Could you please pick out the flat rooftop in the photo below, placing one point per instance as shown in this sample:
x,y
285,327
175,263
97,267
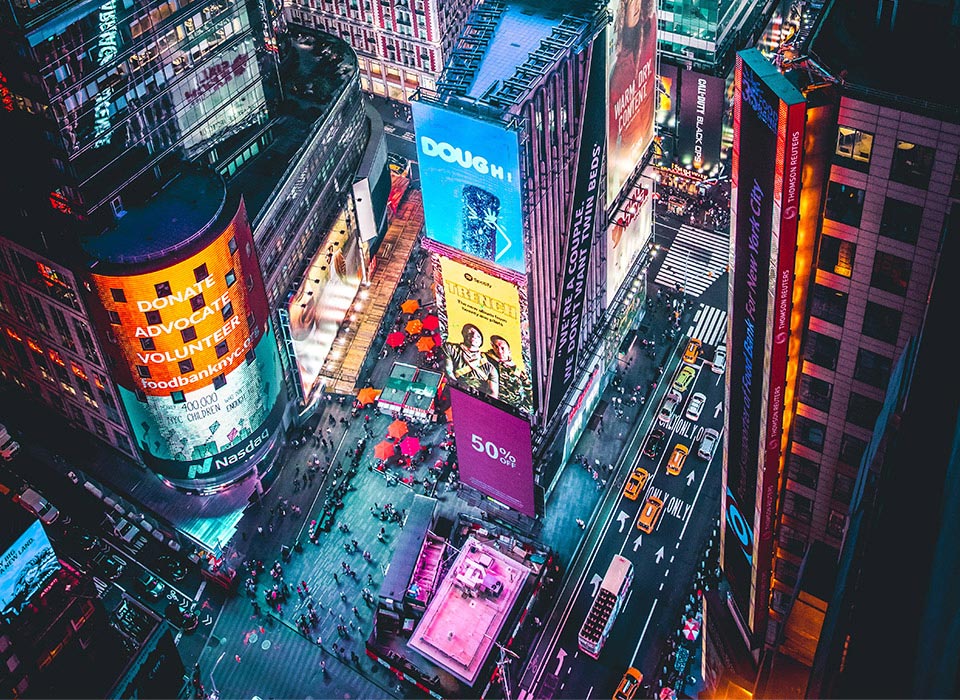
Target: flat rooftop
x,y
467,613
912,59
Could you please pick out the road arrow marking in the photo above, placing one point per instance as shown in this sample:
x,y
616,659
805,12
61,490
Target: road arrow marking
x,y
691,476
637,542
208,620
561,655
622,517
660,555
718,410
595,582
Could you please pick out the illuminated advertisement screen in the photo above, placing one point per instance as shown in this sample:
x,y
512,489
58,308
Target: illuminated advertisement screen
x,y
764,139
631,86
666,111
470,178
578,245
197,365
321,304
493,452
25,567
485,350
627,235
701,121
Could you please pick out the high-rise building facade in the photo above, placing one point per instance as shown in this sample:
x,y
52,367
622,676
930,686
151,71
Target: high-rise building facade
x,y
402,45
838,217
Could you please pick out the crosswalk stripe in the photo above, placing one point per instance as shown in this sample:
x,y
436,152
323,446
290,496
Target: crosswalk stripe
x,y
695,259
709,325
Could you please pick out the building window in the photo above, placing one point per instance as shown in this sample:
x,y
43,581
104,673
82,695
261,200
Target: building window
x,y
143,371
901,220
163,289
787,573
114,317
843,488
222,349
890,273
232,245
835,523
815,392
881,322
791,540
854,148
852,449
844,203
188,334
185,366
802,470
872,369
828,304
836,256
197,302
200,273
797,506
178,396
148,344
228,310
219,381
912,164
118,295
250,356
153,318
955,183
821,349
863,411
809,433
231,278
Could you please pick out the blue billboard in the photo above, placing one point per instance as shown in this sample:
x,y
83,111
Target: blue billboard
x,y
24,568
470,179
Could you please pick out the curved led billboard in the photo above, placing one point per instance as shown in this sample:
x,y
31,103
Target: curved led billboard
x,y
196,362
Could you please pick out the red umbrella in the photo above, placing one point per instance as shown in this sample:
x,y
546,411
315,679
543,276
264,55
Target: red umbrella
x,y
691,629
410,445
384,450
431,322
397,429
437,339
395,339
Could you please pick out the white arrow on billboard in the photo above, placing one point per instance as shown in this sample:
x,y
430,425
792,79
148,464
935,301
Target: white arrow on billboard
x,y
622,517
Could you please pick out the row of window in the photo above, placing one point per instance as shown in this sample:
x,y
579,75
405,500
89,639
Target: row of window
x,y
900,220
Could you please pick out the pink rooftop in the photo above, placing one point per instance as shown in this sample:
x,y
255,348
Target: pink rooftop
x,y
466,615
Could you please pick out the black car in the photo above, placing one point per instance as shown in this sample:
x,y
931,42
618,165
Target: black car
x,y
183,617
172,567
109,565
90,543
655,443
152,587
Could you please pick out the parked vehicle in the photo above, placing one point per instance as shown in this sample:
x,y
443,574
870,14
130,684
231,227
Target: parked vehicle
x,y
668,408
695,406
39,506
109,565
8,446
692,351
684,379
172,567
126,530
719,364
708,444
654,445
151,586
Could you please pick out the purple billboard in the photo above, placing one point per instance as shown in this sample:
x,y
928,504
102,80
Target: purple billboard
x,y
701,121
493,449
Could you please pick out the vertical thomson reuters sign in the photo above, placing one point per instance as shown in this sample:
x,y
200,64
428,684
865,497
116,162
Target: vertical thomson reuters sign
x,y
768,145
195,359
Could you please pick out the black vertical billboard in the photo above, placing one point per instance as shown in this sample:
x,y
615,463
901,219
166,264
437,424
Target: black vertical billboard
x,y
701,121
582,223
767,153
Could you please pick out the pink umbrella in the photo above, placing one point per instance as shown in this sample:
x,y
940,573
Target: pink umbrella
x,y
383,450
410,446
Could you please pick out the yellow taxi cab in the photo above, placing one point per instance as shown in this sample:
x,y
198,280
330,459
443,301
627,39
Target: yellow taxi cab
x,y
649,514
692,351
677,458
629,685
635,483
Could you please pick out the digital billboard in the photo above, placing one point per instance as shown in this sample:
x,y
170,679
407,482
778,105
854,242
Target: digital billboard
x,y
493,452
470,178
631,88
486,327
666,111
765,187
701,121
577,248
195,357
25,567
320,305
629,231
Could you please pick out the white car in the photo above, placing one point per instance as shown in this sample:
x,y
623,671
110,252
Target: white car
x,y
39,506
695,406
709,442
720,359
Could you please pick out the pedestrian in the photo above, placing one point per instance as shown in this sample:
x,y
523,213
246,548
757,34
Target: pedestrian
x,y
581,524
370,579
237,658
335,577
306,589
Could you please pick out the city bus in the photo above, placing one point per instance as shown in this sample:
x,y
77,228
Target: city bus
x,y
606,605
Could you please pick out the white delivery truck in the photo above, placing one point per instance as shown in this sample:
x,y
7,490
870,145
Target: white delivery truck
x,y
8,446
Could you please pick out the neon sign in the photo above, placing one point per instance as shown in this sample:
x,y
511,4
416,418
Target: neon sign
x,y
106,51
